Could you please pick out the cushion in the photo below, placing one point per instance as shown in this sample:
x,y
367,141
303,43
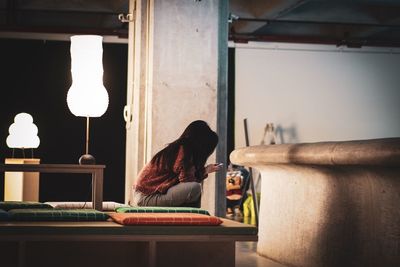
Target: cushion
x,y
162,210
10,205
107,205
3,215
164,219
57,215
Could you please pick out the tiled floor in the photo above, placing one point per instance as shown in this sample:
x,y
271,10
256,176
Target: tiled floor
x,y
246,256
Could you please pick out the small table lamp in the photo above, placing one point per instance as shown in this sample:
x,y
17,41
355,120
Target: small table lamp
x,y
23,133
22,186
87,96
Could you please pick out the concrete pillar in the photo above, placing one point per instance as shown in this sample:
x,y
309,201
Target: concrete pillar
x,y
175,79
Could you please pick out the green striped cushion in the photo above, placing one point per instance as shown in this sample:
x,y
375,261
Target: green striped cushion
x,y
3,215
10,205
161,210
57,215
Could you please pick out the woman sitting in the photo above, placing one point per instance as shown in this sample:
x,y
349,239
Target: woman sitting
x,y
173,177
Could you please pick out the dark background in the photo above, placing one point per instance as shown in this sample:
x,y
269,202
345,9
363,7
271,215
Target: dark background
x,y
35,78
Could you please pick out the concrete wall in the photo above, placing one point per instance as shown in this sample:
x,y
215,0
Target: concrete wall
x,y
316,93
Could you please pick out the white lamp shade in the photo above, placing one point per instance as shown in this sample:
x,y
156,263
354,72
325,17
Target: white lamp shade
x,y
23,132
87,96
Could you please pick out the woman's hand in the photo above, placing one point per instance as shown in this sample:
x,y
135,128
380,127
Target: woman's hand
x,y
213,167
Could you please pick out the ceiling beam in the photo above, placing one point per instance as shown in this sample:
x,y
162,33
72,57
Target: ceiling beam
x,y
68,30
350,24
60,11
245,38
260,9
287,9
370,32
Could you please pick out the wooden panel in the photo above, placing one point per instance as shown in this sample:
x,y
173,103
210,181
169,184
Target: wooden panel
x,y
121,254
8,254
99,254
194,254
229,230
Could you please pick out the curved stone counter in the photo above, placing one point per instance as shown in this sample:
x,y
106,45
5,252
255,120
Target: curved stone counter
x,y
329,203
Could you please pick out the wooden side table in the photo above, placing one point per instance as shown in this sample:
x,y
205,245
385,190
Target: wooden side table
x,y
95,170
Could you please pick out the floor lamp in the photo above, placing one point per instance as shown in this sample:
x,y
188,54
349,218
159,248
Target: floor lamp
x,y
87,96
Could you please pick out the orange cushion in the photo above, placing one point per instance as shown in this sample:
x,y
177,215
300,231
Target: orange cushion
x,y
164,219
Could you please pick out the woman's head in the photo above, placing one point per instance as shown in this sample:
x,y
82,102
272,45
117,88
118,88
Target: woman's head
x,y
201,139
198,141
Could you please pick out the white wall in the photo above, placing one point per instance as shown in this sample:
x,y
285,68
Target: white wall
x,y
316,93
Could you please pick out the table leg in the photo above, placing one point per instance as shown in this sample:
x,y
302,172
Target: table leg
x,y
97,189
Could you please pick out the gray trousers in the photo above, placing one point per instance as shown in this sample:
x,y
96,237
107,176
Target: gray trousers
x,y
180,195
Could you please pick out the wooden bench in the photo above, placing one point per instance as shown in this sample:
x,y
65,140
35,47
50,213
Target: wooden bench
x,y
25,244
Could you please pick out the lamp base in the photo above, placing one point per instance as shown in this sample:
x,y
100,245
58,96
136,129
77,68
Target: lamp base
x,y
87,159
